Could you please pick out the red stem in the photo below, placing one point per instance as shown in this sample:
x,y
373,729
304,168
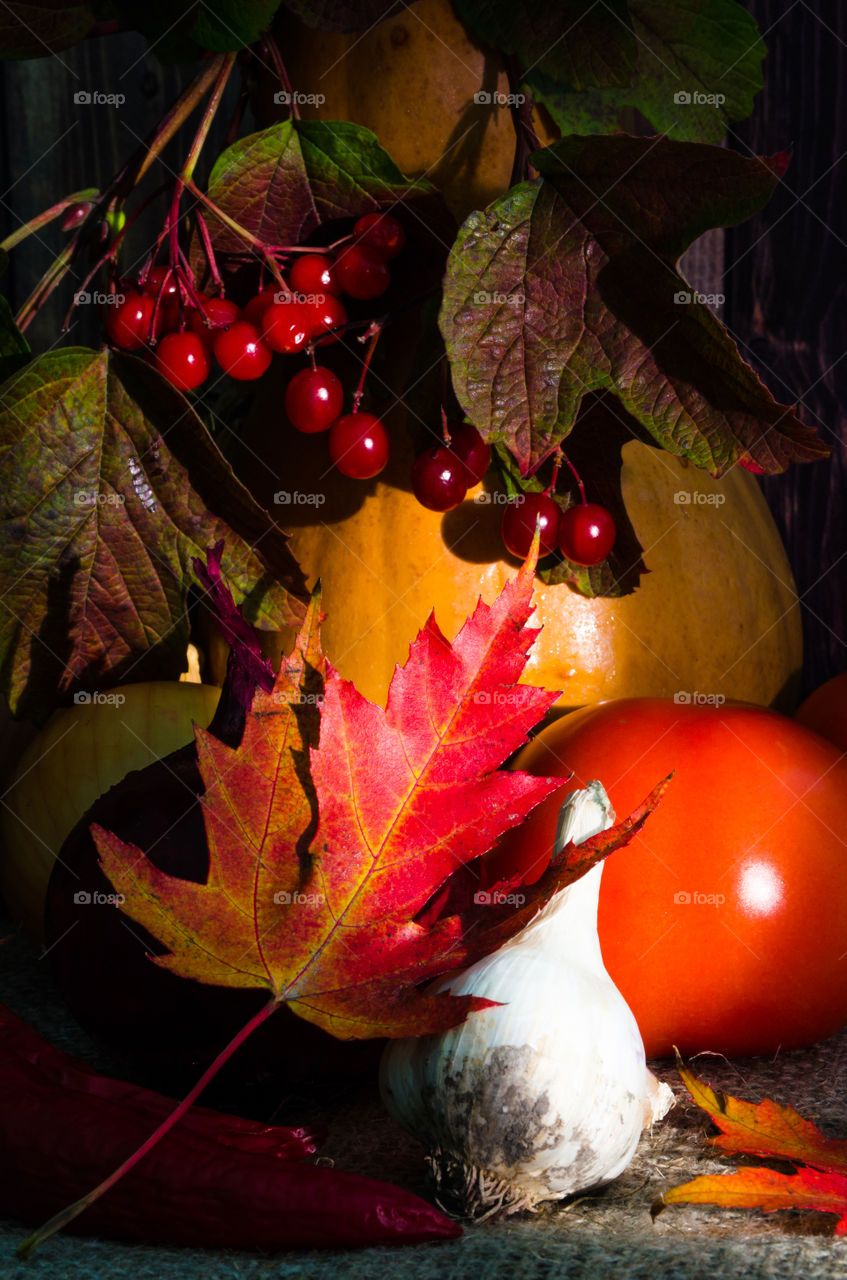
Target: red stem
x,y
187,172
282,75
240,231
42,219
81,289
173,224
122,184
61,1219
132,173
187,283
342,240
136,213
208,250
557,462
576,476
445,431
373,333
237,116
526,139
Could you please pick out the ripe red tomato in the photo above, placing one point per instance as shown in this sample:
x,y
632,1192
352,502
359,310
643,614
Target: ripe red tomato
x,y
724,922
825,711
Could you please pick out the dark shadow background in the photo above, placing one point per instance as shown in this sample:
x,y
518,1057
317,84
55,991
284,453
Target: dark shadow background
x,y
785,280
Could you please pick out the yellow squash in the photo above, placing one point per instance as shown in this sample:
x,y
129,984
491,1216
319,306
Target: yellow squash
x,y
437,101
82,751
715,616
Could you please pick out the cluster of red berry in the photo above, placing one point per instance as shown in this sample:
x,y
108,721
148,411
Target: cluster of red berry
x,y
314,398
443,474
441,477
584,532
189,328
186,329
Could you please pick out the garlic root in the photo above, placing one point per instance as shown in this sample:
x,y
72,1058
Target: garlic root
x,y
658,1100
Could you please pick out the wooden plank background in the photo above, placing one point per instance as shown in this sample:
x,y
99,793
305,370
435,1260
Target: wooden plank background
x,y
785,277
50,146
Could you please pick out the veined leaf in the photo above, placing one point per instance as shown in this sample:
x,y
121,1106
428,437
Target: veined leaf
x,y
768,1130
569,285
281,183
109,486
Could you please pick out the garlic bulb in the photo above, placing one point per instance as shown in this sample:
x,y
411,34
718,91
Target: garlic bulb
x,y
546,1094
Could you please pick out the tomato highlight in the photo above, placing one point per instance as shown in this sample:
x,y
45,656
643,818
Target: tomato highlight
x,y
724,922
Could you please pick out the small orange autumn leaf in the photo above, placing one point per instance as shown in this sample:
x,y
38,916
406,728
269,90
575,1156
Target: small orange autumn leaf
x,y
772,1131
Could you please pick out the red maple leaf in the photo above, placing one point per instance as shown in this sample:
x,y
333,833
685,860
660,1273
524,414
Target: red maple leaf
x,y
324,916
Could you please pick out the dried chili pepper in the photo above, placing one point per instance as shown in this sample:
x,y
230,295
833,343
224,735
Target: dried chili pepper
x,y
19,1039
214,1181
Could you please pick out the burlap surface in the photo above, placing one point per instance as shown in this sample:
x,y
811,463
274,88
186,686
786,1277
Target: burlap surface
x,y
609,1232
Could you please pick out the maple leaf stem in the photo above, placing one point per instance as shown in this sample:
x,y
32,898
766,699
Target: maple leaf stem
x,y
61,1219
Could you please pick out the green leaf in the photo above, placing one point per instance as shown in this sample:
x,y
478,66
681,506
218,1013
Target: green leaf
x,y
698,68
223,25
41,28
109,486
283,182
344,15
14,348
166,25
569,285
591,111
181,30
581,46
